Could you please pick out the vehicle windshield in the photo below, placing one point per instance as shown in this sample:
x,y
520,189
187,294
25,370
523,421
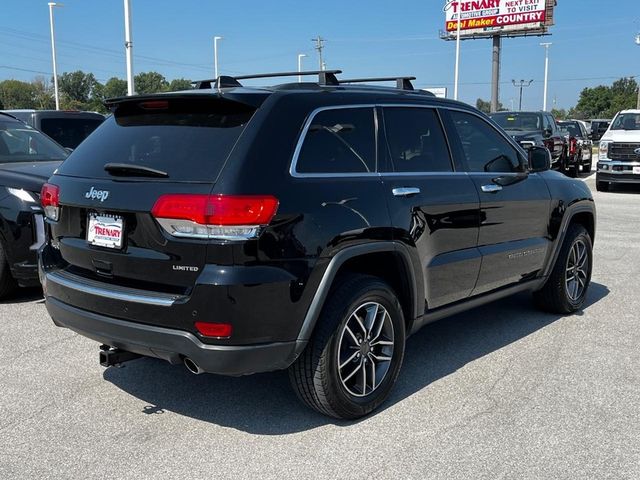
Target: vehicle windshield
x,y
21,143
517,121
627,121
572,128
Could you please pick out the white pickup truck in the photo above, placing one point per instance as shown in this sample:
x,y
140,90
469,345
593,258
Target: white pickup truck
x,y
619,153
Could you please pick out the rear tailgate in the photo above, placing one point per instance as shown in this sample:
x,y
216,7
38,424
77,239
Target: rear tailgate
x,y
105,232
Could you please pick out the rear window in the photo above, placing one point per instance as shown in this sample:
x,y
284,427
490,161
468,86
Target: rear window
x,y
188,139
517,121
69,132
20,143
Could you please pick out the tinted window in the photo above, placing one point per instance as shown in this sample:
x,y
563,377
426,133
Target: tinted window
x,y
517,121
484,148
69,132
19,143
572,127
415,140
339,141
187,139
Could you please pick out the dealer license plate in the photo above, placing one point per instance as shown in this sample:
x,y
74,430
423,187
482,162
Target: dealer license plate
x,y
636,170
105,230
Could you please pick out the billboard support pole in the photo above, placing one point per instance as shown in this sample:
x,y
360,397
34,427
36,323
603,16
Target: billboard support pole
x,y
495,73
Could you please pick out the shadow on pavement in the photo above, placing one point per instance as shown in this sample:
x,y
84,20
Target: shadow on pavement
x,y
22,295
265,403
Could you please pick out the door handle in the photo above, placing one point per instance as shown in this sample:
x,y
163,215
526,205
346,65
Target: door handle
x,y
405,191
491,188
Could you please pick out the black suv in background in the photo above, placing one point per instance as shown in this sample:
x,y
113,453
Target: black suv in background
x,y
66,127
535,129
27,160
308,226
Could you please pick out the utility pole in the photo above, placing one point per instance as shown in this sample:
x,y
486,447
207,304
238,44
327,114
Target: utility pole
x,y
215,56
128,46
638,43
546,73
521,84
456,73
53,54
495,73
319,46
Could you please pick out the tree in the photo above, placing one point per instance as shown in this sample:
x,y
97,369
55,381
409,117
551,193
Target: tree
x,y
17,94
559,114
115,87
43,93
178,84
77,86
150,82
485,106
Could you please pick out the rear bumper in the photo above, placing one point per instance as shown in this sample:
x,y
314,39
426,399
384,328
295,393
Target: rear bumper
x,y
173,345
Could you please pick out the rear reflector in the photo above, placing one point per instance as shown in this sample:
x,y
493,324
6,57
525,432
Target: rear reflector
x,y
234,217
50,198
218,330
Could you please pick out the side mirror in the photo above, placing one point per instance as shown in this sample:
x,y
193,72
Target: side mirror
x,y
539,159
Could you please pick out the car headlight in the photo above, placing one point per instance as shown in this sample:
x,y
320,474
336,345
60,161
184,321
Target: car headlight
x,y
22,195
603,152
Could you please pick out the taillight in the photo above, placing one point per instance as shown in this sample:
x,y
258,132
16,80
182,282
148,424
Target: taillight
x,y
572,146
218,330
227,217
50,198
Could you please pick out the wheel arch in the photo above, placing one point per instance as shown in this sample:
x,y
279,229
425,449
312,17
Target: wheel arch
x,y
390,261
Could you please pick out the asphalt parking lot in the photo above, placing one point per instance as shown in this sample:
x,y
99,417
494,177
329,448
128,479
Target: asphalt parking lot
x,y
502,391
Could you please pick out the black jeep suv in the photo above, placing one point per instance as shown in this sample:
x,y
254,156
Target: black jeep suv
x,y
309,226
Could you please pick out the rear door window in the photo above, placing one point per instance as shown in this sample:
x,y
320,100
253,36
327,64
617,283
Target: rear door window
x,y
415,141
189,140
338,141
69,132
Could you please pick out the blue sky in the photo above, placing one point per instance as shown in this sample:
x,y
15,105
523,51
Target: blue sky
x,y
592,45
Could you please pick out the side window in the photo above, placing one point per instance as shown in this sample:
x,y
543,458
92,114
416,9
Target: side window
x,y
484,148
339,141
547,124
415,140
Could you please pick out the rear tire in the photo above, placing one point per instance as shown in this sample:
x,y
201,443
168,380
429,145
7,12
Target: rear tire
x,y
7,282
602,186
566,288
354,356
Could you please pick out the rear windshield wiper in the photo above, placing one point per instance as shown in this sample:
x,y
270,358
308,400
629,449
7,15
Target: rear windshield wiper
x,y
128,170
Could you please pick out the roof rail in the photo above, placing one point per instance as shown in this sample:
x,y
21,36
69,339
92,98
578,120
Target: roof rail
x,y
403,83
325,77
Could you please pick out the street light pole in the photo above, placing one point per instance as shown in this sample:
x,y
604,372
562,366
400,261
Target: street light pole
x,y
457,69
53,54
300,57
215,55
546,73
638,43
521,85
128,47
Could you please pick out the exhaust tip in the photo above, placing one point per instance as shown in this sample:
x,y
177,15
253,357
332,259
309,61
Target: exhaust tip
x,y
192,366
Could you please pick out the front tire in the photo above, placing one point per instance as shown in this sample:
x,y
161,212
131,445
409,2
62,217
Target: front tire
x,y
353,359
566,288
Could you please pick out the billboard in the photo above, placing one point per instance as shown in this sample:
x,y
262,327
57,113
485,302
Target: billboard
x,y
497,17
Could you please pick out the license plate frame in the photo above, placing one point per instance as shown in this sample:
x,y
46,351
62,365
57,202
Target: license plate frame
x,y
110,231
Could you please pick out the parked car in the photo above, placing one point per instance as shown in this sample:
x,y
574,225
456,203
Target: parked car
x,y
580,147
27,160
619,153
307,226
68,128
535,129
598,128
